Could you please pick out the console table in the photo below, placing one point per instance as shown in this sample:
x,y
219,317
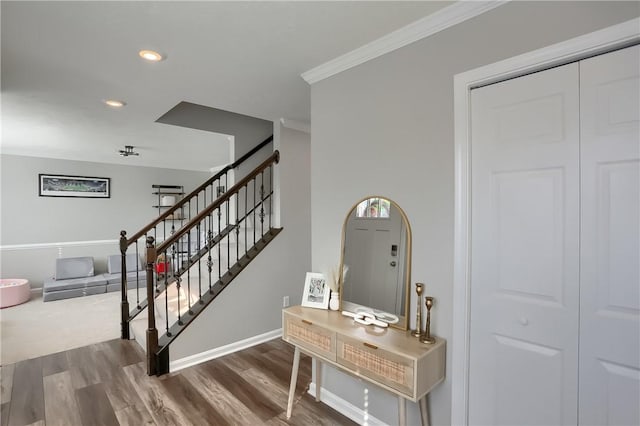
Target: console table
x,y
389,358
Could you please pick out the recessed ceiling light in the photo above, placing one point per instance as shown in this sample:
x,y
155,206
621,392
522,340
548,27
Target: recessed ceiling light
x,y
150,55
114,103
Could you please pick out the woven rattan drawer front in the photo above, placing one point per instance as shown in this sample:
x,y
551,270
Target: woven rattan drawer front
x,y
385,367
307,335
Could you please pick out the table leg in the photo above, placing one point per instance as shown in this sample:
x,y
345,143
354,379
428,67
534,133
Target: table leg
x,y
402,411
424,411
294,379
318,379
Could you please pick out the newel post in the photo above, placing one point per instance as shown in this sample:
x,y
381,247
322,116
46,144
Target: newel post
x,y
124,304
152,332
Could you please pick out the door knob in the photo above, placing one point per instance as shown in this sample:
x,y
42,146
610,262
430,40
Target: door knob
x,y
393,263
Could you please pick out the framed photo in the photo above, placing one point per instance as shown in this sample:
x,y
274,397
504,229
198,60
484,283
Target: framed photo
x,y
74,186
316,291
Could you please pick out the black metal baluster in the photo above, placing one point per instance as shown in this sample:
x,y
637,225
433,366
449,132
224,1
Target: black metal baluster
x,y
188,296
137,275
228,240
166,304
254,211
270,194
246,189
226,183
237,230
199,263
262,204
218,244
209,259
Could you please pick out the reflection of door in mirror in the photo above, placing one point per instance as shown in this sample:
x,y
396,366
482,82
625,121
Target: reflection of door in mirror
x,y
375,253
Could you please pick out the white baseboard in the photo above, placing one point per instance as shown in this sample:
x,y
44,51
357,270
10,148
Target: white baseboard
x,y
188,361
58,245
345,408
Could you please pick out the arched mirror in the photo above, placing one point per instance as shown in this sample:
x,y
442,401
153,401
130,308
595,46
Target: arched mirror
x,y
376,261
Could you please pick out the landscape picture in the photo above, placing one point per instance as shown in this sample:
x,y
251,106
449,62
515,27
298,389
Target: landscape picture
x,y
74,186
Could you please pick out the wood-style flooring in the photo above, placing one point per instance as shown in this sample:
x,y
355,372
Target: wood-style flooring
x,y
107,384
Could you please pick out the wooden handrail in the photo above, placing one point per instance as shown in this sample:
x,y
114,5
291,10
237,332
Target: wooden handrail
x,y
196,191
274,158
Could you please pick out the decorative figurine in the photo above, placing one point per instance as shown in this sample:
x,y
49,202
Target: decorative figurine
x,y
426,338
418,331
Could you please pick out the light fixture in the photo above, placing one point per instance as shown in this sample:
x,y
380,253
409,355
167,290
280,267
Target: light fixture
x,y
150,55
127,151
114,103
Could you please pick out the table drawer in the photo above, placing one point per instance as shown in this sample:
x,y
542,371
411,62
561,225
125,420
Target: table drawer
x,y
382,366
307,335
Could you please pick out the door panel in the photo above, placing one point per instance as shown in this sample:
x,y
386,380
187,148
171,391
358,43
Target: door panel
x,y
518,364
529,203
524,250
610,239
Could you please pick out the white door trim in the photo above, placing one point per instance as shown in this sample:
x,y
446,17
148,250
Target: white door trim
x,y
592,44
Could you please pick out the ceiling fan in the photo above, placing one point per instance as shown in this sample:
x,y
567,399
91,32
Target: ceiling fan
x,y
128,150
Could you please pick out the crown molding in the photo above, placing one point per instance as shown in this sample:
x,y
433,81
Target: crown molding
x,y
425,27
296,125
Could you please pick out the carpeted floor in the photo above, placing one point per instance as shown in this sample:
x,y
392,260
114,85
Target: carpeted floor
x,y
37,328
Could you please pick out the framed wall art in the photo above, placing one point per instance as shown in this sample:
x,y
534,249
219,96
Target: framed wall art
x,y
74,186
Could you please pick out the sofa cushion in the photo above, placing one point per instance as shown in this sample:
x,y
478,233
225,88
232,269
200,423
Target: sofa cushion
x,y
74,267
118,287
131,278
48,296
98,280
58,285
97,289
114,263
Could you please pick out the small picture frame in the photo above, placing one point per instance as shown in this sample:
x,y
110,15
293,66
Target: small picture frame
x,y
316,291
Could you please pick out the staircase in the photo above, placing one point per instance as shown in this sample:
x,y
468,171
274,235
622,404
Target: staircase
x,y
189,266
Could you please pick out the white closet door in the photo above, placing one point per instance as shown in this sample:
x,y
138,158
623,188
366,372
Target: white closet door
x,y
524,250
610,235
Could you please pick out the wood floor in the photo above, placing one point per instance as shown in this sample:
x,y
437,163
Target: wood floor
x,y
106,384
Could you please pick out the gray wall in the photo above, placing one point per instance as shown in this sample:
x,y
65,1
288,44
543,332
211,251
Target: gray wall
x,y
386,127
29,219
252,304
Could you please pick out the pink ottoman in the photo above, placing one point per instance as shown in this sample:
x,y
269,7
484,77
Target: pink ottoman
x,y
14,291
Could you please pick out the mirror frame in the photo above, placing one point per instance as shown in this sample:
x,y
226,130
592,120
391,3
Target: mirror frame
x,y
403,324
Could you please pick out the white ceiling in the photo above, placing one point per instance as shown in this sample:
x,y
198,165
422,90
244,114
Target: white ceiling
x,y
61,59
